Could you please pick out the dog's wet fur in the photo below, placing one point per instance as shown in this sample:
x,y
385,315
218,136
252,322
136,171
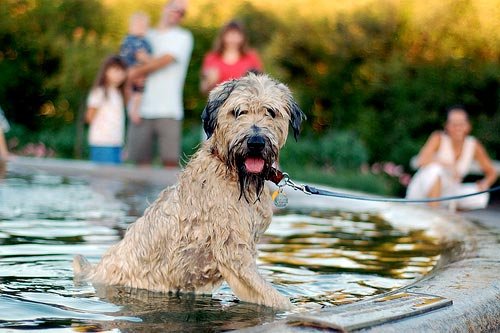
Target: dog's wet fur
x,y
204,229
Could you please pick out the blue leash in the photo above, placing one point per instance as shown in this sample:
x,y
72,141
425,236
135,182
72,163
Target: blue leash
x,y
312,190
282,179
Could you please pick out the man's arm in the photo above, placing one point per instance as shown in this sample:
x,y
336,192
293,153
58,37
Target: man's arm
x,y
151,66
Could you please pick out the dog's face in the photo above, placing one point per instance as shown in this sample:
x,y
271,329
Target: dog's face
x,y
246,122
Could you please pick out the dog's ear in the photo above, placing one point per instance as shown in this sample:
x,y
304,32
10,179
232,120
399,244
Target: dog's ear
x,y
216,98
296,118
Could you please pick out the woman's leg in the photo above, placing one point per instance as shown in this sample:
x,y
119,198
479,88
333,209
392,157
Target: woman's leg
x,y
435,192
426,183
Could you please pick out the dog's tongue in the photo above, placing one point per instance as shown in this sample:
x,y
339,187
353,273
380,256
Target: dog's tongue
x,y
254,164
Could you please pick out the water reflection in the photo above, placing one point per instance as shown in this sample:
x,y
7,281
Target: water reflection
x,y
317,258
332,241
178,313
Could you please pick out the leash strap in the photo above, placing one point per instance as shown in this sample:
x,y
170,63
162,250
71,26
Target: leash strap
x,y
282,178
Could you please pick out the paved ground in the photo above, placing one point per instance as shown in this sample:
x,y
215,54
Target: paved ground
x,y
489,217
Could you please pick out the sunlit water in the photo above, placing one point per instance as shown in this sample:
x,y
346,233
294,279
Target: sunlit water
x,y
317,258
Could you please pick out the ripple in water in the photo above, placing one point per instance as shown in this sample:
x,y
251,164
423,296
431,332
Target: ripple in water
x,y
317,258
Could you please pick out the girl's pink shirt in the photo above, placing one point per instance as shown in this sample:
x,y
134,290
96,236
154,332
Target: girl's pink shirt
x,y
249,61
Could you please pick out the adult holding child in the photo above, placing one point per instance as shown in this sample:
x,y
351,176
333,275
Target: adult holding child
x,y
230,58
135,49
161,108
445,160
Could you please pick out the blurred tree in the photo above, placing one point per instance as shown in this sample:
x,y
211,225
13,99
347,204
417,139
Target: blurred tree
x,y
381,70
34,39
373,71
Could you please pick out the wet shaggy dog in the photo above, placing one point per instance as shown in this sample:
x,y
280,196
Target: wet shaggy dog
x,y
205,229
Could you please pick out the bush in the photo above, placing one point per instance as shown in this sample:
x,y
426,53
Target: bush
x,y
191,140
44,143
352,180
336,150
372,78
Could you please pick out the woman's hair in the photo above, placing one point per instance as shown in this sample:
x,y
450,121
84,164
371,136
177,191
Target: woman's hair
x,y
111,61
233,25
456,108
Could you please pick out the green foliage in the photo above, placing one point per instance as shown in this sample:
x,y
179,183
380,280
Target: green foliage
x,y
354,180
53,141
191,139
361,75
333,151
35,45
334,159
372,77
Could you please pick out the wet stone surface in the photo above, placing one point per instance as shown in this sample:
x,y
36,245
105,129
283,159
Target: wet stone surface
x,y
373,312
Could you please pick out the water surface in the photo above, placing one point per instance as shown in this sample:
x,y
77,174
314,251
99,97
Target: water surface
x,y
317,258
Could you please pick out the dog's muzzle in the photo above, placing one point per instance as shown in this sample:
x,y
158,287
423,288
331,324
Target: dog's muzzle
x,y
254,163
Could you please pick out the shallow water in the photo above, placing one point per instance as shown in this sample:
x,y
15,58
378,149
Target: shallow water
x,y
317,258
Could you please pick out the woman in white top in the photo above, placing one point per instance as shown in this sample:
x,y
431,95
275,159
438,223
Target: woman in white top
x,y
445,160
106,113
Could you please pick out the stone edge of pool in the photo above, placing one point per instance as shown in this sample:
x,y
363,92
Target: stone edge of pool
x,y
468,273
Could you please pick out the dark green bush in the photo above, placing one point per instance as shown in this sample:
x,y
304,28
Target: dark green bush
x,y
55,143
374,80
336,150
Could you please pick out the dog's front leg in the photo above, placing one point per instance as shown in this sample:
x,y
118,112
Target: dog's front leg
x,y
244,279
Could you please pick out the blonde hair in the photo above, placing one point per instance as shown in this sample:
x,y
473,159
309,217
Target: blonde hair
x,y
138,16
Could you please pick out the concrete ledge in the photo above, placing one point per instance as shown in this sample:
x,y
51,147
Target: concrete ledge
x,y
468,272
65,167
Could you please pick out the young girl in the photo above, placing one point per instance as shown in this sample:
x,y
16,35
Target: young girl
x,y
106,112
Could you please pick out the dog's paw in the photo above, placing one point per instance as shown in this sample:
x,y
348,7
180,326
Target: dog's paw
x,y
280,302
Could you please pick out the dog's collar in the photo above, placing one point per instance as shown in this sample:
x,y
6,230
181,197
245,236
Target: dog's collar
x,y
275,176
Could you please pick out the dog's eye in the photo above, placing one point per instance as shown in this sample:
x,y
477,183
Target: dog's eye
x,y
236,113
271,113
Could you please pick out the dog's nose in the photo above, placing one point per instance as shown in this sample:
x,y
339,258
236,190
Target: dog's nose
x,y
256,143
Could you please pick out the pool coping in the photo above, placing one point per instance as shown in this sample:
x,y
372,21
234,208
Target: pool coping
x,y
468,274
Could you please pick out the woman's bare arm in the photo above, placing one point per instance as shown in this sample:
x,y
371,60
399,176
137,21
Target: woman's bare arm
x,y
490,174
426,154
